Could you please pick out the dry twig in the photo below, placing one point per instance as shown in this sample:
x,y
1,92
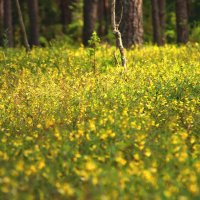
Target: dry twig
x,y
117,34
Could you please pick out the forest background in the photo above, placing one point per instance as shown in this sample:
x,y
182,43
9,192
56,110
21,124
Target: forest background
x,y
75,20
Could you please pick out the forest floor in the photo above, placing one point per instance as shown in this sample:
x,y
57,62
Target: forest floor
x,y
73,125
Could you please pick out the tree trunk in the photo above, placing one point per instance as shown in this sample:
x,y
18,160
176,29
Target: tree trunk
x,y
156,22
21,21
182,21
162,4
132,22
100,18
66,14
1,21
89,18
106,16
8,27
34,22
103,17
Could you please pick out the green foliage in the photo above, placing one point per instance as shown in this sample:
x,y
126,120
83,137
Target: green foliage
x,y
5,39
43,41
74,30
67,134
147,21
195,35
94,44
171,27
94,41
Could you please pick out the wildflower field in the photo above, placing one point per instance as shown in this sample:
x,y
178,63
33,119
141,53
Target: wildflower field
x,y
67,132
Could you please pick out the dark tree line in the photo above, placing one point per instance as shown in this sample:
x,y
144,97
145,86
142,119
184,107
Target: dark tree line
x,y
97,16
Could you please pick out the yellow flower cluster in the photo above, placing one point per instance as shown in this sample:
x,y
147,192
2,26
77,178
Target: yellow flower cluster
x,y
69,133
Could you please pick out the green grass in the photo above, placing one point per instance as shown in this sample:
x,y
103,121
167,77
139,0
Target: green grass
x,y
69,133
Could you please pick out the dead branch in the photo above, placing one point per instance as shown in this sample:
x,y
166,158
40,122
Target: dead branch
x,y
21,21
117,34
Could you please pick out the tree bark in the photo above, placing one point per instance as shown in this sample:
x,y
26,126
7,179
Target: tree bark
x,y
106,16
156,22
115,27
21,21
162,4
103,17
8,27
100,18
132,22
89,18
34,22
1,21
182,21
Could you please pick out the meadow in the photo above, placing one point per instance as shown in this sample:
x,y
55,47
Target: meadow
x,y
73,125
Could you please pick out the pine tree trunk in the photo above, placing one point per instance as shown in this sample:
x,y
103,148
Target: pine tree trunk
x,y
8,27
156,22
100,18
162,4
89,18
34,22
107,15
1,21
132,22
182,21
103,17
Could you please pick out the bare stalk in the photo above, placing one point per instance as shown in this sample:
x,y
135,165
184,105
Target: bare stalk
x,y
21,21
117,34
